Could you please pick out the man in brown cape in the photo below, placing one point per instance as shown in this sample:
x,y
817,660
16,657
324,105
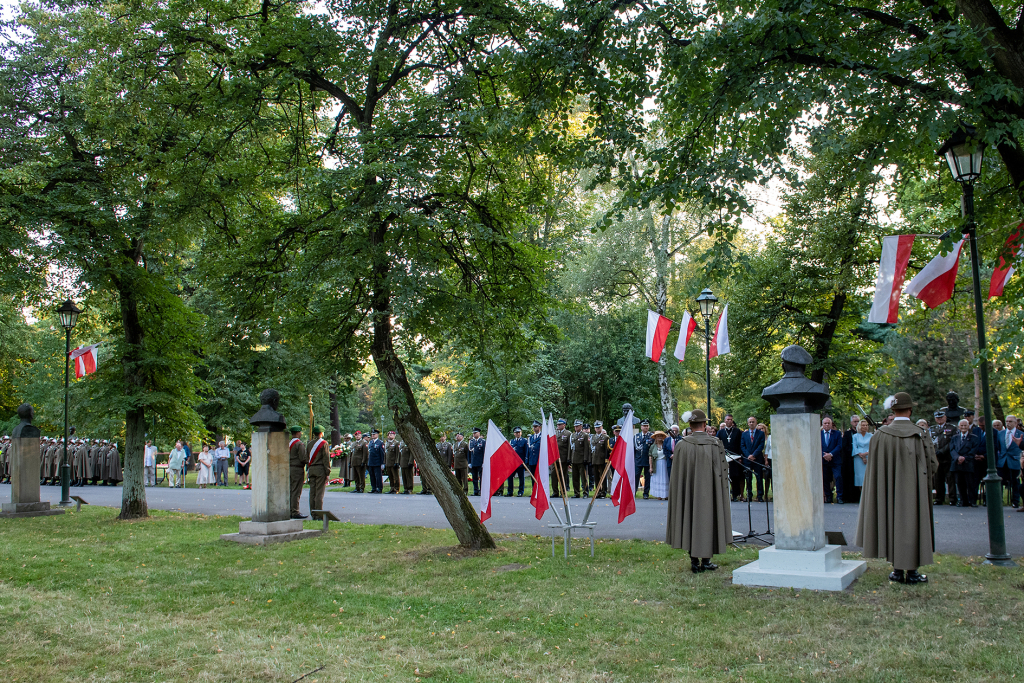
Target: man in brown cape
x,y
699,516
895,518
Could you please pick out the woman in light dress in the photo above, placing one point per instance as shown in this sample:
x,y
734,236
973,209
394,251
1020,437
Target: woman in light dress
x,y
861,441
660,452
767,457
205,468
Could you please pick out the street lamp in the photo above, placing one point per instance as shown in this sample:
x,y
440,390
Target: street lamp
x,y
706,302
68,314
964,154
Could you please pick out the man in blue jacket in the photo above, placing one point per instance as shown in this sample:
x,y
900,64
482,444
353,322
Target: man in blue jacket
x,y
476,459
962,449
752,448
831,460
1008,443
518,444
375,462
533,453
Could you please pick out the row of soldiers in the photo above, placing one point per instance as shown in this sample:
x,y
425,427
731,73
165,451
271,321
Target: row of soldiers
x,y
93,461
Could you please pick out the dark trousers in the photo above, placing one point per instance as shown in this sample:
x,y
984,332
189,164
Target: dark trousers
x,y
460,475
392,471
477,473
220,472
376,479
940,481
967,491
579,476
1011,481
317,484
756,470
407,478
553,473
359,476
521,473
737,479
606,485
646,470
832,472
296,475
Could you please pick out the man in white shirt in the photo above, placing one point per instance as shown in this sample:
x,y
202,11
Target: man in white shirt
x,y
220,465
149,462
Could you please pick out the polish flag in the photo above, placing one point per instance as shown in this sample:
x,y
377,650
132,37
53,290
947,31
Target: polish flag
x,y
720,342
624,479
889,285
686,328
934,284
1003,272
500,461
657,334
84,358
541,494
552,442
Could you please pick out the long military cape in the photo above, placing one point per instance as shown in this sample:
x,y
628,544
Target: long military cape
x,y
699,515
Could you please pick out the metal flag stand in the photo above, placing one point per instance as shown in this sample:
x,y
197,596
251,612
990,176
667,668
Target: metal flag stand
x,y
567,526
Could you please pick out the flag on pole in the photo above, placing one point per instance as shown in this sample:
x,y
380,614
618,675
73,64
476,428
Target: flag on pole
x,y
720,342
934,284
686,328
85,360
892,267
500,461
540,495
1004,271
552,442
657,334
624,480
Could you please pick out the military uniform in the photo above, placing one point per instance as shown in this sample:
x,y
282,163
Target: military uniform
x,y
461,462
375,462
392,454
318,468
600,451
296,471
579,450
562,437
405,464
941,435
447,453
114,473
518,444
360,455
477,445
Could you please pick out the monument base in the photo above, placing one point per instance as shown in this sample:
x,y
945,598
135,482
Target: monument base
x,y
265,533
39,509
823,569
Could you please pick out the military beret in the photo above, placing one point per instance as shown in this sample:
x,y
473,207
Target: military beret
x,y
358,432
645,422
459,434
317,429
294,429
517,429
391,431
536,424
598,423
560,421
940,413
577,423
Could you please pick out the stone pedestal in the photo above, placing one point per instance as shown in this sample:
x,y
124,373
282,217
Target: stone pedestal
x,y
265,533
800,558
24,460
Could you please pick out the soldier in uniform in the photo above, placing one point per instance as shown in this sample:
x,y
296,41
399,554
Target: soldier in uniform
x,y
318,467
114,474
460,461
447,453
477,445
533,454
563,437
405,464
102,462
579,456
895,517
942,432
642,444
599,456
296,470
375,462
699,515
391,457
518,444
360,456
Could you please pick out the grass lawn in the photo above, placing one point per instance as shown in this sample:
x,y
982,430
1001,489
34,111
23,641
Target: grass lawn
x,y
84,597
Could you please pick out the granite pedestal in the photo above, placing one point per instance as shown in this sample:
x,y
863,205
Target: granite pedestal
x,y
24,459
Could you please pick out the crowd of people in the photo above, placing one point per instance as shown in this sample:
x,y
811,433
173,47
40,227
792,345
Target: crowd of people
x,y
94,462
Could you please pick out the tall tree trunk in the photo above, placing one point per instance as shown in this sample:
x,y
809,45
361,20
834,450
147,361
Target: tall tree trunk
x,y
659,246
823,340
409,421
332,394
133,493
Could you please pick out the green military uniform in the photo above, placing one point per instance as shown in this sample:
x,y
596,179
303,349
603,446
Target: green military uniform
x,y
391,458
360,454
296,469
460,461
405,463
598,458
579,458
318,467
562,436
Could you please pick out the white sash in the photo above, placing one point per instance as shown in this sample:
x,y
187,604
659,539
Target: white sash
x,y
312,453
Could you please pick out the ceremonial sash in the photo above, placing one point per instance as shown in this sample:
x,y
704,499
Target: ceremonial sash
x,y
316,447
292,442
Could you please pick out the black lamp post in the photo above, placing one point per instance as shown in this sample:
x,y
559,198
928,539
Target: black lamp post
x,y
964,154
68,314
707,301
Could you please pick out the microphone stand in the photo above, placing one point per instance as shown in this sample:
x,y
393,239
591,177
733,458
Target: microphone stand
x,y
765,469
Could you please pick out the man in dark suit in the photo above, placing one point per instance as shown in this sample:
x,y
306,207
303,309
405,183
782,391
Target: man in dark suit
x,y
980,460
1008,442
752,448
853,493
375,462
831,460
518,444
533,453
729,435
962,448
476,459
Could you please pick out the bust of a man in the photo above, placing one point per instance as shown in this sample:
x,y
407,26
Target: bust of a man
x,y
267,419
795,392
25,428
953,410
626,407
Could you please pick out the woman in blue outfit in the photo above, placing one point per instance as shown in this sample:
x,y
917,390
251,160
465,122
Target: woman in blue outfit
x,y
861,441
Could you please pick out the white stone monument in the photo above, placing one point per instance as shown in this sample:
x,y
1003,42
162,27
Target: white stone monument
x,y
24,459
271,520
800,558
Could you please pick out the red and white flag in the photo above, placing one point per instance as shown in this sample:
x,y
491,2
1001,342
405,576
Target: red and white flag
x,y
552,441
720,342
892,267
657,334
934,284
686,328
85,360
1004,271
541,494
624,463
500,461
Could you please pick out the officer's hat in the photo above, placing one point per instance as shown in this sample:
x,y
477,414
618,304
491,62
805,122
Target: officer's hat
x,y
577,423
375,431
295,429
536,424
476,430
517,429
940,413
586,425
560,421
617,428
598,423
459,433
645,422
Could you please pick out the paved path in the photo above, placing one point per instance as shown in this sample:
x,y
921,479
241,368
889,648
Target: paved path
x,y
957,530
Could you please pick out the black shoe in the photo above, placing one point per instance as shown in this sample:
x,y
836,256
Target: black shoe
x,y
708,566
519,495
696,567
760,499
298,516
914,577
576,495
645,496
898,576
839,501
600,495
952,502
